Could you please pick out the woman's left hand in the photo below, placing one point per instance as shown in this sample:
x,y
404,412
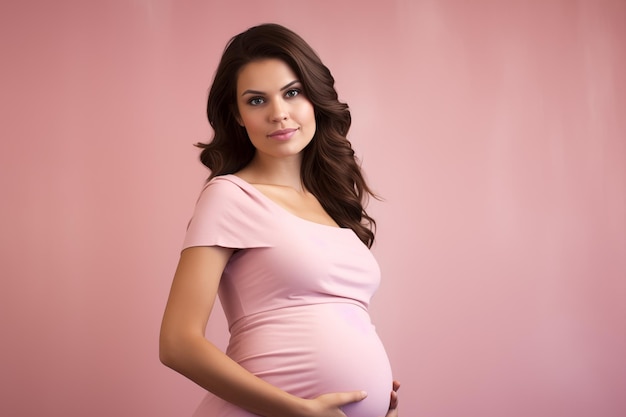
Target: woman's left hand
x,y
393,402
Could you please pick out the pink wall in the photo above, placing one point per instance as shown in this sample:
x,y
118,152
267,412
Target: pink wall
x,y
495,130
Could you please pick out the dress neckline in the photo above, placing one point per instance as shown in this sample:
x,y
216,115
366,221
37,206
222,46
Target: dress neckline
x,y
241,182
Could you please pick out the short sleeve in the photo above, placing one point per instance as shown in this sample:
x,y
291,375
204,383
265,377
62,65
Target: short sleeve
x,y
226,215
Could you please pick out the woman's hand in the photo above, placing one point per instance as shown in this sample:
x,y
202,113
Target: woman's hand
x,y
329,405
393,402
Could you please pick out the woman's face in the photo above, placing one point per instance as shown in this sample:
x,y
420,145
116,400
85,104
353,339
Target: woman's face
x,y
279,119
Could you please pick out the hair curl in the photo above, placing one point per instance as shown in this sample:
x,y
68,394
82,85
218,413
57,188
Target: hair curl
x,y
330,169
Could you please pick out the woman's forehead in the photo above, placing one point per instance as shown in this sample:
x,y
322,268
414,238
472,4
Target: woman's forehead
x,y
266,74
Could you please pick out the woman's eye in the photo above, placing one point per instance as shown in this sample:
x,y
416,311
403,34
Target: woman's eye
x,y
292,93
256,101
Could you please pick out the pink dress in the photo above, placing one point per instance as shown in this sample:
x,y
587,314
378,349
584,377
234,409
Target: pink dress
x,y
296,299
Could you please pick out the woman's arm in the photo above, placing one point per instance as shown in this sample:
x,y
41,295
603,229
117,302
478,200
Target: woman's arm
x,y
183,347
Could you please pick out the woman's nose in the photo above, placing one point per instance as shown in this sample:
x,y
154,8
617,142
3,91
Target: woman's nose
x,y
279,111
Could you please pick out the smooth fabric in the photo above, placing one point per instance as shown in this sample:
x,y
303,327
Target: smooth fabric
x,y
295,296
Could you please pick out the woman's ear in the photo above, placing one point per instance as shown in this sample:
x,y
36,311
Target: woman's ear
x,y
239,121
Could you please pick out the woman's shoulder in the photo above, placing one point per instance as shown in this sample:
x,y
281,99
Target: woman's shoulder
x,y
229,191
226,184
228,214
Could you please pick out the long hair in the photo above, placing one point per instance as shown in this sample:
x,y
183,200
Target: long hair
x,y
330,169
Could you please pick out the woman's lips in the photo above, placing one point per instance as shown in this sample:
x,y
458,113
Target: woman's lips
x,y
283,134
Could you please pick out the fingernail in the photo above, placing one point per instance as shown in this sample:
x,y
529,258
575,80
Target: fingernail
x,y
364,394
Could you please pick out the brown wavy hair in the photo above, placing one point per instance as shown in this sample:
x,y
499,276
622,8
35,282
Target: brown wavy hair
x,y
330,169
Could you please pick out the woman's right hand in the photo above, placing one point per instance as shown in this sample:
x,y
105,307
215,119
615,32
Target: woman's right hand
x,y
393,402
329,405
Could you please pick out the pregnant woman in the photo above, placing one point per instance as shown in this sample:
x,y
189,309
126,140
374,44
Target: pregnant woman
x,y
281,234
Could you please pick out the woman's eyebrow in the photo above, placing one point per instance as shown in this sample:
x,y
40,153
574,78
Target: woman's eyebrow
x,y
289,85
262,93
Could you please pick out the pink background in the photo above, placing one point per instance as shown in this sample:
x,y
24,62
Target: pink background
x,y
495,131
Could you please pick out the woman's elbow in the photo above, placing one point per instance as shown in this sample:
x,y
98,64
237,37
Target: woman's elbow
x,y
168,350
